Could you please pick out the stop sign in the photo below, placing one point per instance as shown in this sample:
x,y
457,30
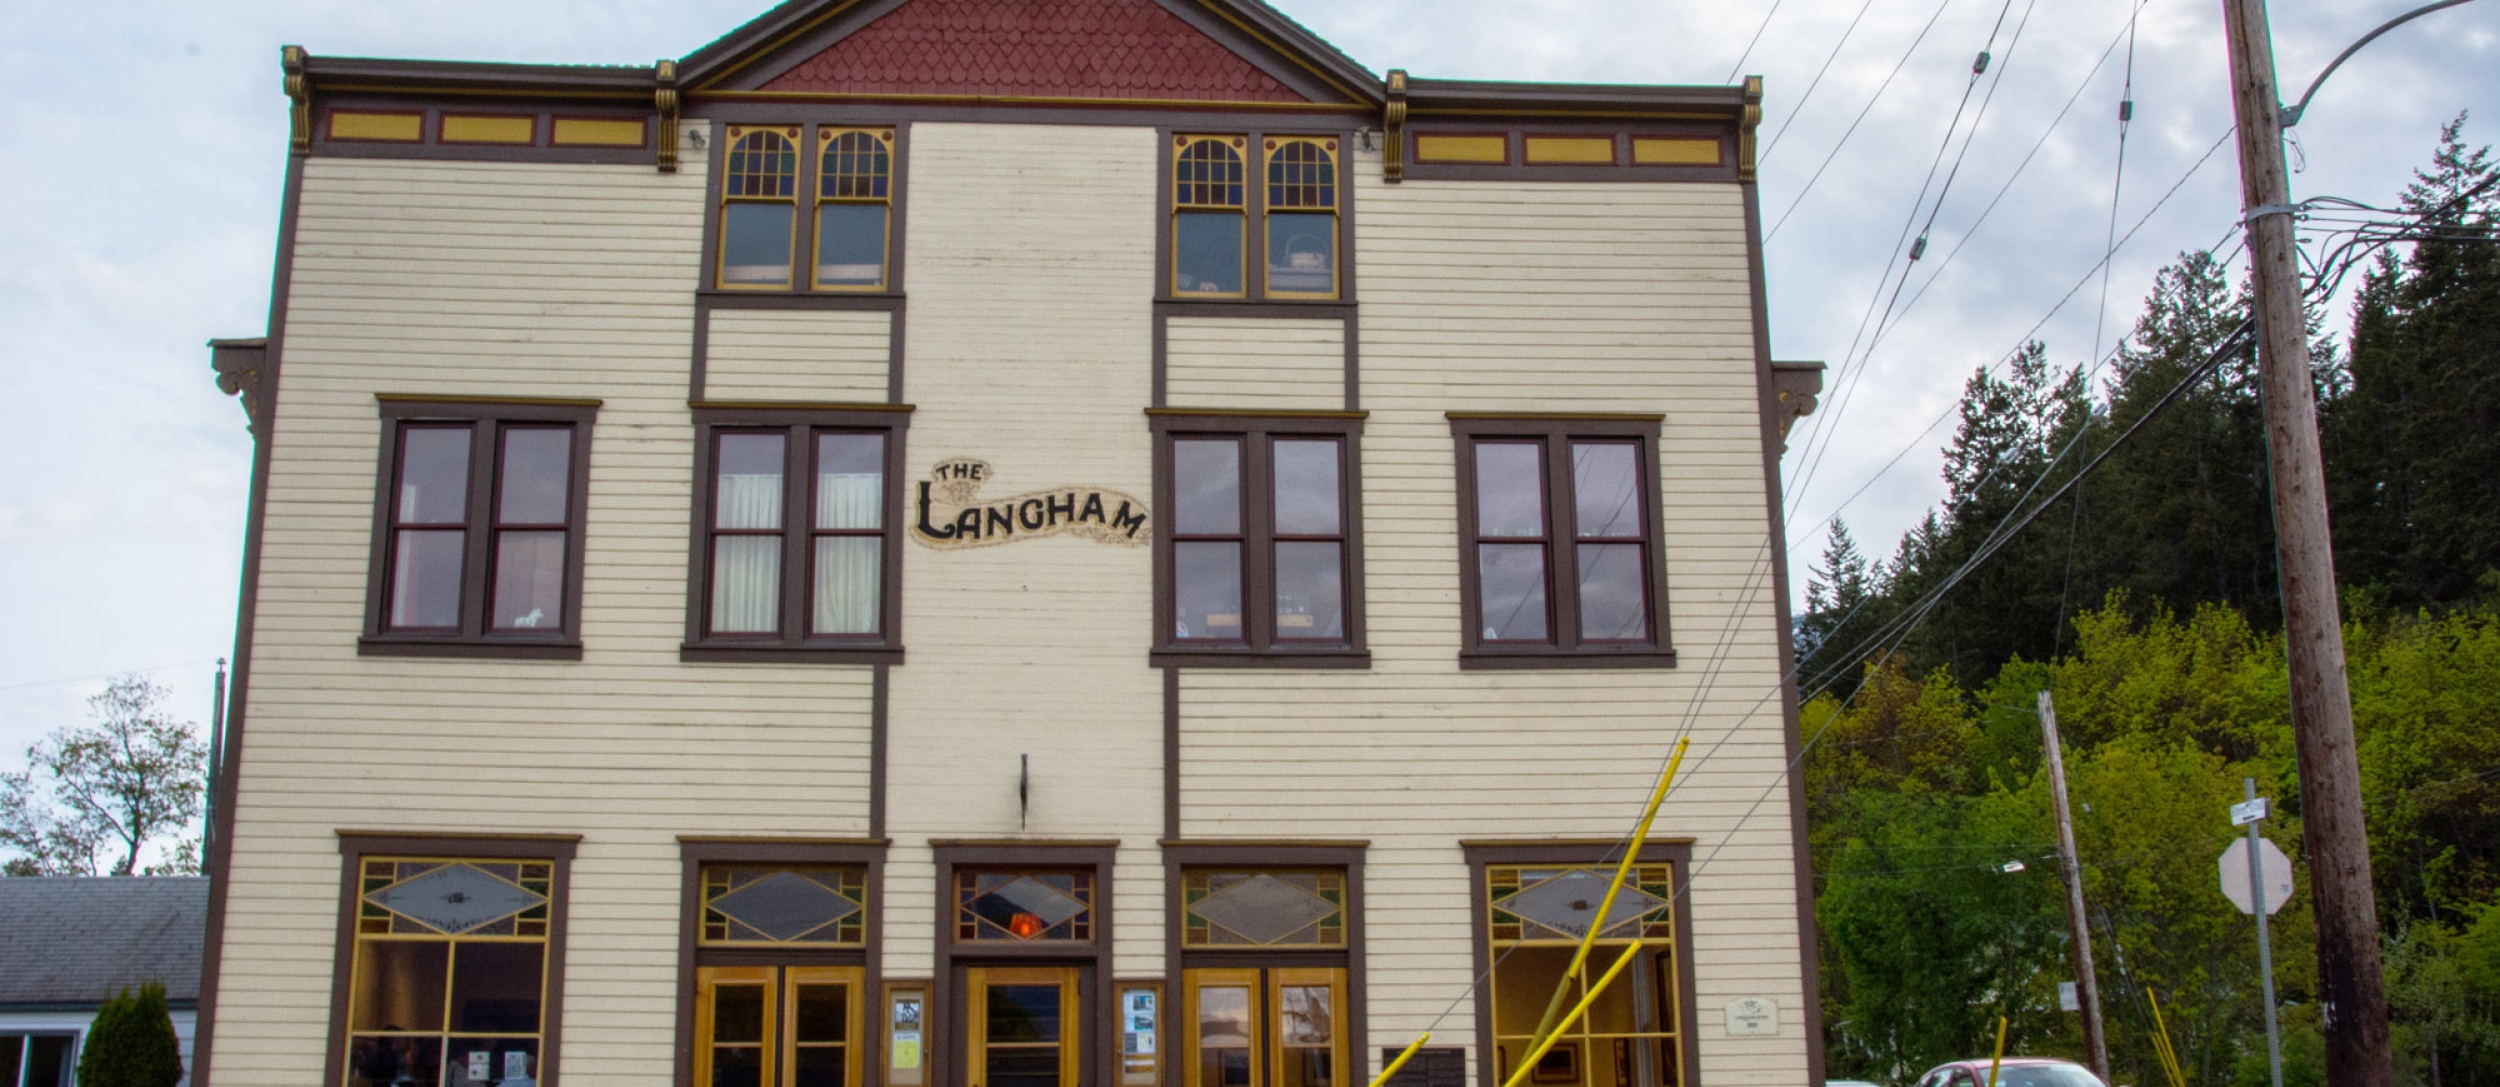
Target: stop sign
x,y
2278,875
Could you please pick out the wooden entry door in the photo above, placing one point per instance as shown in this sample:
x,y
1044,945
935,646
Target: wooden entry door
x,y
1025,1026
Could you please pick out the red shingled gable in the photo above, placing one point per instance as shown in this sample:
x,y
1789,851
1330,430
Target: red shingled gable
x,y
1036,48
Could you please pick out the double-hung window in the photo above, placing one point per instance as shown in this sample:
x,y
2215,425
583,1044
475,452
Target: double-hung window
x,y
846,190
795,541
478,528
1559,530
1260,556
1245,203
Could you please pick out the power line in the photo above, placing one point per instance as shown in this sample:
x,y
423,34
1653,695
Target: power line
x,y
1773,143
1853,125
1741,58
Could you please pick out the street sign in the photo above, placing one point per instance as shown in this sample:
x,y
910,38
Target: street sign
x,y
2067,1001
2250,812
2278,871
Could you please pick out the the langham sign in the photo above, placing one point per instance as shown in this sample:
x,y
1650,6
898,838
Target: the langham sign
x,y
953,516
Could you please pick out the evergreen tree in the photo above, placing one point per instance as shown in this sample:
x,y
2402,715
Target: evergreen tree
x,y
132,1043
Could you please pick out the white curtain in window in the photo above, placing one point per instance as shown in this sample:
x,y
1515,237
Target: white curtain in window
x,y
847,567
746,570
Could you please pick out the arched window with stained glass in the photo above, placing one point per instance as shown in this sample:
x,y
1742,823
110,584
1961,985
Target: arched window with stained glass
x,y
1302,195
759,206
854,207
1210,212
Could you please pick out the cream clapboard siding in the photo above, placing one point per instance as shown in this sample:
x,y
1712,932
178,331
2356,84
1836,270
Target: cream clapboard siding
x,y
1032,248
506,280
1254,364
1554,298
825,356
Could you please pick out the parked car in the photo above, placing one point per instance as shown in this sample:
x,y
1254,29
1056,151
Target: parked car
x,y
2012,1072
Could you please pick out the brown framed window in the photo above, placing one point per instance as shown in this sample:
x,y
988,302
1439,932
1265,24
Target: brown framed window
x,y
478,528
808,207
1261,556
1210,204
777,942
1559,535
854,206
450,961
759,206
1534,904
1255,216
1267,957
797,541
1301,211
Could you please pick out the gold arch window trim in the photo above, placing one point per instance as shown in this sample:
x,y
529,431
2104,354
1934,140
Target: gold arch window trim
x,y
1322,177
773,141
864,185
1237,165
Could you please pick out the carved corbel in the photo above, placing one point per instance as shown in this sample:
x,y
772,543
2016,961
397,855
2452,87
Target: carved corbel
x,y
238,364
1393,130
1798,387
299,97
1745,130
665,98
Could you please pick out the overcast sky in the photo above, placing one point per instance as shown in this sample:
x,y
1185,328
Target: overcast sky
x,y
148,145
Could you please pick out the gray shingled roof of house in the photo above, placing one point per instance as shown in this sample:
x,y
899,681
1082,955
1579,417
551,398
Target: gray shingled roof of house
x,y
77,941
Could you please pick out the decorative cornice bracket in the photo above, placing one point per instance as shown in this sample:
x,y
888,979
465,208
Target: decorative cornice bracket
x,y
1745,130
664,97
239,364
1798,387
299,97
1393,130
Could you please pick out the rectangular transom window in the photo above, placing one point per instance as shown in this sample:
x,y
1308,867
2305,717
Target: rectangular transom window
x,y
1260,556
796,537
784,906
1024,905
478,528
1262,908
1559,532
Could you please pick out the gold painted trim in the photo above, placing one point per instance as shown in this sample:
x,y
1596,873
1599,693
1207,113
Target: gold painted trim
x,y
665,98
1745,159
1026,100
1293,55
1235,413
489,128
789,405
377,126
478,92
299,97
1675,151
1540,149
1463,148
603,132
1582,416
539,401
759,52
1393,129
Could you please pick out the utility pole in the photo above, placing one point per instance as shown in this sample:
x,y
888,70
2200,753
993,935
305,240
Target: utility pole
x,y
2087,990
2351,992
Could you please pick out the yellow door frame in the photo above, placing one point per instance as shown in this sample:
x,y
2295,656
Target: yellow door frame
x,y
1072,1025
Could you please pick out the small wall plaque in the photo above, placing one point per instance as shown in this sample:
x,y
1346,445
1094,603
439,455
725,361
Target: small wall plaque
x,y
1753,1015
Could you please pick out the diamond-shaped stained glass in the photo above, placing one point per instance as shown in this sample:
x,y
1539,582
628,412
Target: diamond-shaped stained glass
x,y
1264,909
785,905
1025,906
1565,905
455,898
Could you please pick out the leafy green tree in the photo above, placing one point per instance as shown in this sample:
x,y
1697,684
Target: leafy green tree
x,y
115,787
132,1043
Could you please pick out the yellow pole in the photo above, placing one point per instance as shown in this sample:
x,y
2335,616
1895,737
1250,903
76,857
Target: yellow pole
x,y
1606,906
1538,1053
2169,1056
1995,1062
1409,1055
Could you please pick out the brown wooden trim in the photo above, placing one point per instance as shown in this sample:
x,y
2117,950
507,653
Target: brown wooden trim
x,y
1236,413
694,852
499,401
1253,300
1257,430
1159,383
219,863
944,1018
1555,416
794,644
432,105
487,419
1677,852
356,845
1516,127
1171,753
1535,849
1354,362
1179,854
1555,433
1774,443
880,734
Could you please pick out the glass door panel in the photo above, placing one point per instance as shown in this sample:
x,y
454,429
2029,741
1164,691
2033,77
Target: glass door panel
x,y
733,1015
1308,1031
823,1009
777,1026
1025,1026
1220,1027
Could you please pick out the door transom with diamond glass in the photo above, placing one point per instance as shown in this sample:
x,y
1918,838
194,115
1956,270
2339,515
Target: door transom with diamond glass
x,y
777,1026
1272,1027
747,905
448,984
1024,905
1024,1026
1269,908
1536,916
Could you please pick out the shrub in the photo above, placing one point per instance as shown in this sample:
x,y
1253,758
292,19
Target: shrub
x,y
132,1043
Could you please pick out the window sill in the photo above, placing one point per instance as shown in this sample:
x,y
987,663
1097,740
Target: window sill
x,y
468,648
1515,660
1260,658
717,653
787,298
